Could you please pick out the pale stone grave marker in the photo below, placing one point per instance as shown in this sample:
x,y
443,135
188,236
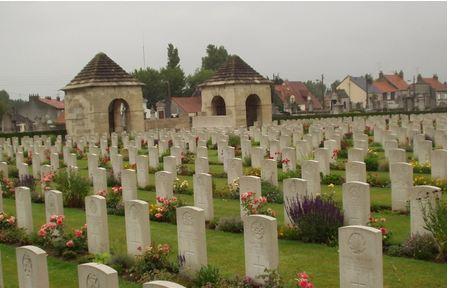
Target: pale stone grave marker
x,y
137,226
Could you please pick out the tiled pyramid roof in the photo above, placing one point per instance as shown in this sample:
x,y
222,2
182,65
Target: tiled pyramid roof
x,y
235,71
101,69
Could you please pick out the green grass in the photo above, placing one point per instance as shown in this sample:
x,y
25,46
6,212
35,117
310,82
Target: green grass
x,y
318,260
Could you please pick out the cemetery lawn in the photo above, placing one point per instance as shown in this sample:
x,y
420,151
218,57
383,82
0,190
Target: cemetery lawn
x,y
226,251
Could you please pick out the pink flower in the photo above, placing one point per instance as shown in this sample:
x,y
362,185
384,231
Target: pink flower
x,y
158,215
11,220
53,218
78,233
69,244
42,232
383,230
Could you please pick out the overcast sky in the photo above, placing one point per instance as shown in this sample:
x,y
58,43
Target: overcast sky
x,y
45,44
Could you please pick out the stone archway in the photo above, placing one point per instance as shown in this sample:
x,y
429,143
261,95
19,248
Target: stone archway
x,y
253,109
218,106
119,116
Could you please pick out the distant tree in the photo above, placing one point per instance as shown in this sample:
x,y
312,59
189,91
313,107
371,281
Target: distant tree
x,y
154,89
215,57
173,60
276,79
174,77
334,85
368,78
192,81
4,102
316,88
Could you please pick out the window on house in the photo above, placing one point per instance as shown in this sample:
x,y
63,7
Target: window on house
x,y
392,95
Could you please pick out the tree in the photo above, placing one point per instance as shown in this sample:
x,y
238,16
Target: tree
x,y
173,60
174,77
316,88
154,89
334,85
215,57
4,102
192,81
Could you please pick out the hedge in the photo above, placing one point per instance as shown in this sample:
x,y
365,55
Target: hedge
x,y
61,132
355,114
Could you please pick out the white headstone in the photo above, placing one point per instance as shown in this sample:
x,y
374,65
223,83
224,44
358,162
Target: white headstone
x,y
137,225
32,267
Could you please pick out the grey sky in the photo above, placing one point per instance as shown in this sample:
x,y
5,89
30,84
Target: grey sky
x,y
45,44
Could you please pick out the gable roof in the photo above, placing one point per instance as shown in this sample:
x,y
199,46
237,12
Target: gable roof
x,y
235,71
101,70
300,92
189,104
53,102
383,86
397,82
362,83
435,84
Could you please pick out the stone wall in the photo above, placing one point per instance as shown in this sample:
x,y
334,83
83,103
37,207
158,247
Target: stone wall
x,y
212,121
178,123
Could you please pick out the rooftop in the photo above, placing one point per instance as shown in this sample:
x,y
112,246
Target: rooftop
x,y
235,71
189,104
101,70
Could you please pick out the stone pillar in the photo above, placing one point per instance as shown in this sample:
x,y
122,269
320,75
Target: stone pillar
x,y
97,224
24,212
191,238
203,195
360,257
32,268
93,275
53,204
294,189
137,226
261,245
356,203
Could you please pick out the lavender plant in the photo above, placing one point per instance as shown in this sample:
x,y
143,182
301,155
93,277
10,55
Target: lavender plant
x,y
317,219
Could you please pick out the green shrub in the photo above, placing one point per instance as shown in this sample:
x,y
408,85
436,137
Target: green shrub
x,y
188,157
371,161
435,219
247,162
234,140
13,172
250,171
207,276
332,178
230,224
73,186
420,246
289,174
375,180
383,166
121,262
272,193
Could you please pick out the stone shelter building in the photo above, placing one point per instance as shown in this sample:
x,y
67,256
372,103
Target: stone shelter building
x,y
236,95
103,98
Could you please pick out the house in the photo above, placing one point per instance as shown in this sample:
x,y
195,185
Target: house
x,y
189,106
39,114
296,97
426,93
338,102
393,90
359,90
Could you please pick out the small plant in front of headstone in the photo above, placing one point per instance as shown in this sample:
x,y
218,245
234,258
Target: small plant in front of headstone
x,y
255,205
271,192
73,186
181,187
379,223
230,224
114,203
9,232
7,187
371,160
250,171
332,178
424,168
153,260
188,157
233,189
435,220
105,162
317,219
208,276
304,280
165,209
424,180
417,246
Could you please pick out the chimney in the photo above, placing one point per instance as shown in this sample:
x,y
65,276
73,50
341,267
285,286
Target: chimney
x,y
435,77
48,97
58,98
380,75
